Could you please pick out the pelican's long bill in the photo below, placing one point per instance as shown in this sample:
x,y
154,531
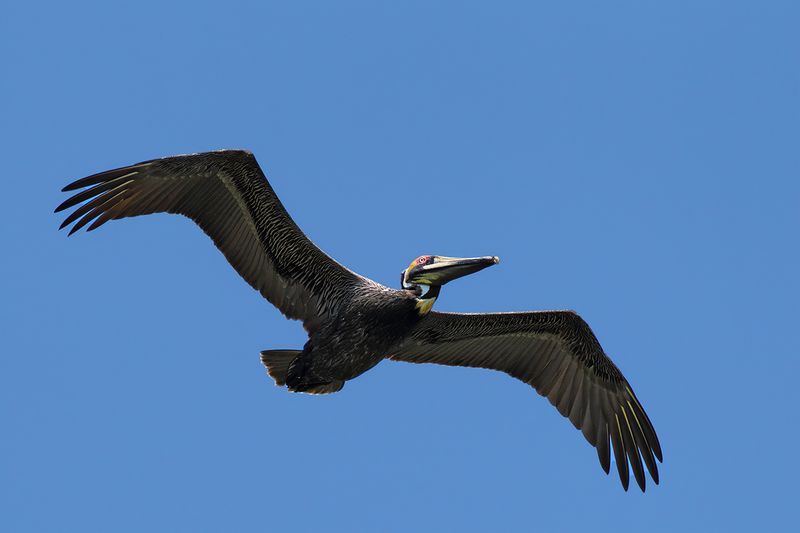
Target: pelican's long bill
x,y
439,270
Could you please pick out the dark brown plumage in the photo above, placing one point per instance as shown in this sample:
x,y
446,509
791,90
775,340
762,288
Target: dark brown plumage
x,y
354,323
556,353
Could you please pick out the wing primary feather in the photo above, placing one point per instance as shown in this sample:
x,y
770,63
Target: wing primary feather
x,y
632,449
593,415
105,216
652,438
112,212
94,191
88,206
603,451
104,176
144,194
99,204
644,448
619,452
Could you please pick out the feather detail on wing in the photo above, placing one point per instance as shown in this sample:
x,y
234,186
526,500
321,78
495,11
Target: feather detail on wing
x,y
556,353
228,196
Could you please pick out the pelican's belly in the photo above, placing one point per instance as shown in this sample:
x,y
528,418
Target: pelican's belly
x,y
352,344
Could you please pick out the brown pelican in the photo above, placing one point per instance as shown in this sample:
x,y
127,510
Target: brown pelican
x,y
353,323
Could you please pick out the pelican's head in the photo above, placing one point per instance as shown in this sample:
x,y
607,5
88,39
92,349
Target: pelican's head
x,y
426,275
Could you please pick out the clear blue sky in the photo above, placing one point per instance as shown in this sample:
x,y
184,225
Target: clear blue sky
x,y
635,161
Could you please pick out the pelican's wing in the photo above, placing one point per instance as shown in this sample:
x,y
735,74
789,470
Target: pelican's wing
x,y
228,196
556,353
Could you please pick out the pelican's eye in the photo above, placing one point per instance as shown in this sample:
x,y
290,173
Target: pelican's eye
x,y
424,260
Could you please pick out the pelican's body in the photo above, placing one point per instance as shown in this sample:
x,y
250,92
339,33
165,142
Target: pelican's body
x,y
369,324
354,323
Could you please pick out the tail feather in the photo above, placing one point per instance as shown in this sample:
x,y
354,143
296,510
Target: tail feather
x,y
325,388
277,363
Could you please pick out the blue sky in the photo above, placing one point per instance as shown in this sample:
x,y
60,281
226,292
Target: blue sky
x,y
635,161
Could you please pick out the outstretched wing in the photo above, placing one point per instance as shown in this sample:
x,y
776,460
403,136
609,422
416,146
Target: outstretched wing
x,y
228,196
556,353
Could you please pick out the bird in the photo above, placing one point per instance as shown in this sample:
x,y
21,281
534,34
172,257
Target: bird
x,y
354,323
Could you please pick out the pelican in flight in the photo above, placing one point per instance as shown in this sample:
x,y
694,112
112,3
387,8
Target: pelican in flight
x,y
354,323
